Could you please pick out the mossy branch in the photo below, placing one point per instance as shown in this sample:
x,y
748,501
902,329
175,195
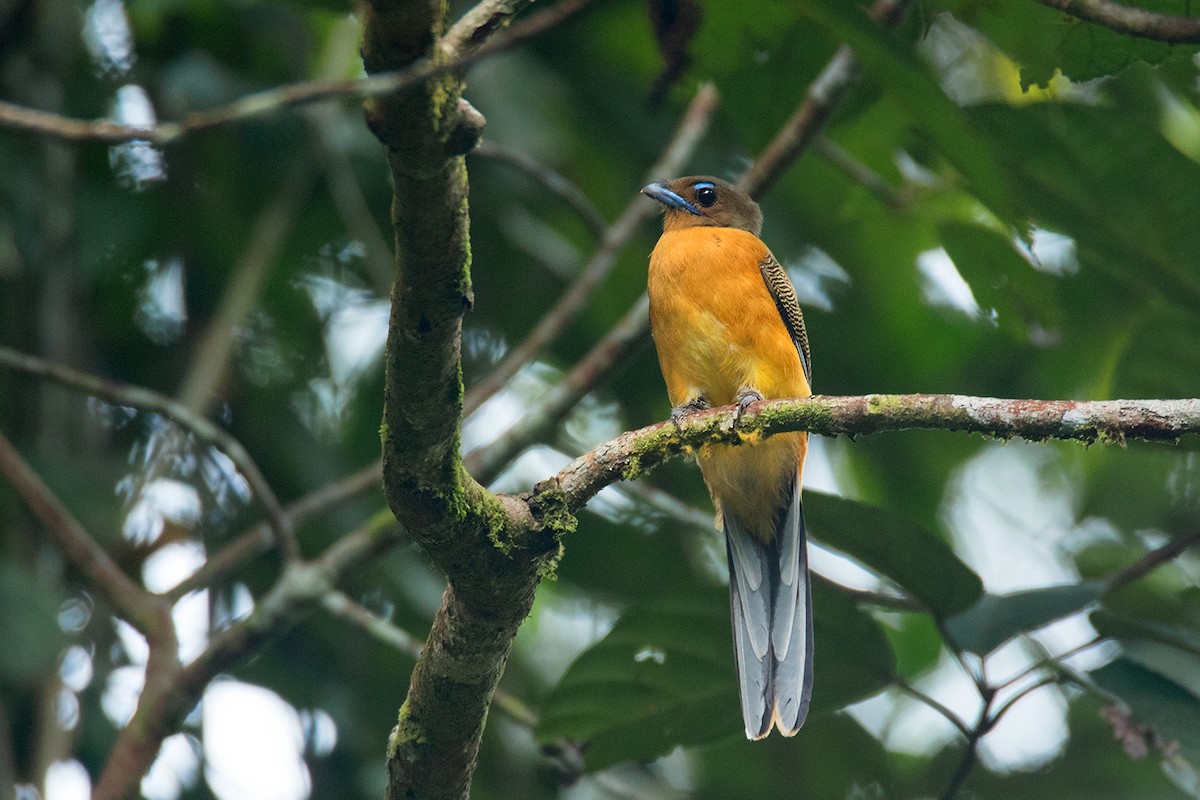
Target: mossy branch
x,y
631,455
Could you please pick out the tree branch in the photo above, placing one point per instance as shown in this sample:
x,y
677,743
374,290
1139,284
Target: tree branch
x,y
261,104
1152,560
130,601
1131,20
631,455
566,191
149,400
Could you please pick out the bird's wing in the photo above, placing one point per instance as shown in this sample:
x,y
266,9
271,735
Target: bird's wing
x,y
784,294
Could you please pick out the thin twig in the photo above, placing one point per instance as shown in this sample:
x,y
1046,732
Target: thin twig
x,y
691,128
261,104
1153,559
210,363
340,605
555,182
1131,20
949,715
259,539
133,603
538,422
859,172
148,400
824,94
995,717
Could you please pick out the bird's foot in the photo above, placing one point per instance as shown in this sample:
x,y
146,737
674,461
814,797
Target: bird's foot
x,y
690,407
743,399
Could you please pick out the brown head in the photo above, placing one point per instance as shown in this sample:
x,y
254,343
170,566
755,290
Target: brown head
x,y
703,200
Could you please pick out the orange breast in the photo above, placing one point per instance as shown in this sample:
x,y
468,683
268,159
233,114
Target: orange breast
x,y
717,331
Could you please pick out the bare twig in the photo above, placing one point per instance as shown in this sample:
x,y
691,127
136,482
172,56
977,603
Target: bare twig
x,y
949,715
149,400
691,128
1132,20
823,95
1153,559
272,101
553,181
857,171
340,605
259,539
133,603
210,363
631,454
486,462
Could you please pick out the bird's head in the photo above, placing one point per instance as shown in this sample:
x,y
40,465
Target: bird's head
x,y
704,200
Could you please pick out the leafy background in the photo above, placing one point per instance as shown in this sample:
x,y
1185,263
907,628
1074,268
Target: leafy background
x,y
1027,228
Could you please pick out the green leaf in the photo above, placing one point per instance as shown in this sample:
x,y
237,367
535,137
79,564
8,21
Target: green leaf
x,y
1124,628
664,676
1000,279
28,627
995,619
913,557
1158,701
1170,662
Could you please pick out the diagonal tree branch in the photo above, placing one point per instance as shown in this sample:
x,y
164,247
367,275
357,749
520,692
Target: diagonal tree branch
x,y
201,427
1131,20
133,603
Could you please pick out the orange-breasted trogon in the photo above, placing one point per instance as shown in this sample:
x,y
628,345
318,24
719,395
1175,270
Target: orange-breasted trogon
x,y
728,330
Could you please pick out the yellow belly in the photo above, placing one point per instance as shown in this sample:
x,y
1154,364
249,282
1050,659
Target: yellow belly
x,y
717,332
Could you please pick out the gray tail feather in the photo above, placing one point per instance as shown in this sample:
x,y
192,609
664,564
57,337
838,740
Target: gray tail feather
x,y
772,621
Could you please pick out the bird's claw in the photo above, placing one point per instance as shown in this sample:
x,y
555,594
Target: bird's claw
x,y
744,399
690,407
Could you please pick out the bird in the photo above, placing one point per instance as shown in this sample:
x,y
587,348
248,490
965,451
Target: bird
x,y
729,331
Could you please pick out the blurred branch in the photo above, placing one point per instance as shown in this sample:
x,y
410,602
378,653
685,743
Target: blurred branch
x,y
210,363
632,454
553,181
339,58
1152,560
168,696
691,128
486,462
395,637
482,21
259,539
823,96
390,634
1132,20
260,104
946,713
140,608
859,172
149,400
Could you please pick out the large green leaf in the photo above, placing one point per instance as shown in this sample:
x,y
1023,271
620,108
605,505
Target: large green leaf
x,y
664,676
1125,628
1156,700
905,552
1043,40
995,619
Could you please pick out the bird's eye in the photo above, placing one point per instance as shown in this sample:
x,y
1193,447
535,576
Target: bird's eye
x,y
706,195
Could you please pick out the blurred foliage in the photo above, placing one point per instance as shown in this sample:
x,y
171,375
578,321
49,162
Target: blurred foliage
x,y
1038,239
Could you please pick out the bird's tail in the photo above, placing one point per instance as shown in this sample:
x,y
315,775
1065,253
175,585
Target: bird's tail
x,y
772,620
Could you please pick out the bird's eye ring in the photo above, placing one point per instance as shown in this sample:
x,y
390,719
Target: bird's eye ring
x,y
706,195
